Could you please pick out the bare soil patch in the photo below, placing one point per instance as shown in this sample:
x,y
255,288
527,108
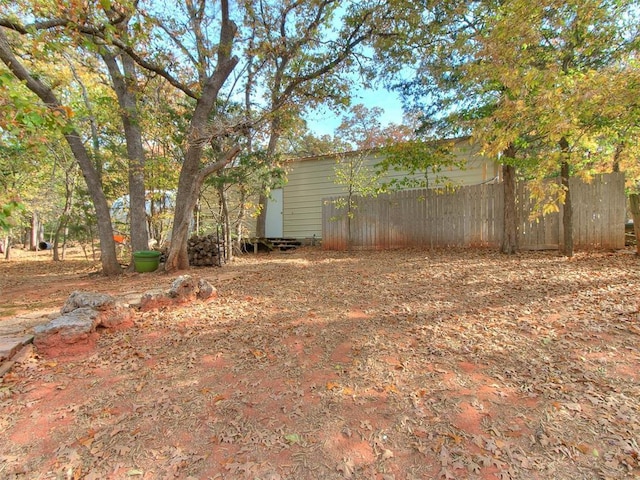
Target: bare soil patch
x,y
325,365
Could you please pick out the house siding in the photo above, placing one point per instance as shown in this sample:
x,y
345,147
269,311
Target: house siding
x,y
311,180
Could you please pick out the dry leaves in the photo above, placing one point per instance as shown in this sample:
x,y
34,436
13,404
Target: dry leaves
x,y
393,365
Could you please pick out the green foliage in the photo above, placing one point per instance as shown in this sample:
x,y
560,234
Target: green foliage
x,y
8,213
22,114
254,171
423,161
353,173
523,77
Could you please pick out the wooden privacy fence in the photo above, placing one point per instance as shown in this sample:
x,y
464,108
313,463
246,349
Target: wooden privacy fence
x,y
473,216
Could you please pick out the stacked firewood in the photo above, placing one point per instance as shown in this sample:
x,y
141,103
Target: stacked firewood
x,y
203,251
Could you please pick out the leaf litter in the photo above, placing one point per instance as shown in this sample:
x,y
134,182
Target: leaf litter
x,y
312,364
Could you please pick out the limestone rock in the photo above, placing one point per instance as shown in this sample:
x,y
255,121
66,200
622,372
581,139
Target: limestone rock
x,y
186,287
10,345
111,313
206,290
116,318
154,299
71,333
183,288
96,301
74,331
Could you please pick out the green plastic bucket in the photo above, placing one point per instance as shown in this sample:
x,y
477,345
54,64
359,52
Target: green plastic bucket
x,y
146,261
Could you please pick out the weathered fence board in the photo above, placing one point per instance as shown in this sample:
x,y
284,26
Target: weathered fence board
x,y
474,216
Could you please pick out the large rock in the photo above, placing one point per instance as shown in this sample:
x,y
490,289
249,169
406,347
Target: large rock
x,y
154,299
10,345
206,290
74,331
186,287
70,334
96,301
111,314
183,289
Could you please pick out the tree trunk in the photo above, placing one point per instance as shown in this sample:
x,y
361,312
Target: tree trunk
x,y
191,176
189,184
109,259
56,238
510,225
7,246
239,222
34,234
124,84
567,213
615,166
226,222
634,201
350,213
186,199
63,222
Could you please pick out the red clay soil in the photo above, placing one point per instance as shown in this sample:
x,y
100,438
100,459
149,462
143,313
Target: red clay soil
x,y
324,365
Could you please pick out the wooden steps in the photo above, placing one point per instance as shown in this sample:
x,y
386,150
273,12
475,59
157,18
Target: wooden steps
x,y
284,244
256,245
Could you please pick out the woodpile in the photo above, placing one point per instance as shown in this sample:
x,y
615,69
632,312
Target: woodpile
x,y
204,251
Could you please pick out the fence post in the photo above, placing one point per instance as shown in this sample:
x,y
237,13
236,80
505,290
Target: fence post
x,y
634,200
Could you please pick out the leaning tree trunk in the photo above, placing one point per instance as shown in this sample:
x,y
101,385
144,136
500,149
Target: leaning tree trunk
x,y
191,174
510,225
186,199
109,259
189,184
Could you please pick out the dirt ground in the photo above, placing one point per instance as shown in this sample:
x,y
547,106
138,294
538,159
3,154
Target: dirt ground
x,y
322,365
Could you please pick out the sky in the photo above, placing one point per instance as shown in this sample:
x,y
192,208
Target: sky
x,y
324,121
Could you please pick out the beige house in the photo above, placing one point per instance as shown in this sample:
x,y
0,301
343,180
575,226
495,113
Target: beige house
x,y
295,211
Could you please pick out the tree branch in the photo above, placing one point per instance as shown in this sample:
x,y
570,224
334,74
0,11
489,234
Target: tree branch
x,y
212,168
98,32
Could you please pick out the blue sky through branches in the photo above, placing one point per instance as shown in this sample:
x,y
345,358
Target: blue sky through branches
x,y
324,121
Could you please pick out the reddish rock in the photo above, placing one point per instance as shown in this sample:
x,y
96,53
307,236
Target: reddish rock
x,y
117,318
206,290
183,288
154,299
74,332
69,334
186,287
110,313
